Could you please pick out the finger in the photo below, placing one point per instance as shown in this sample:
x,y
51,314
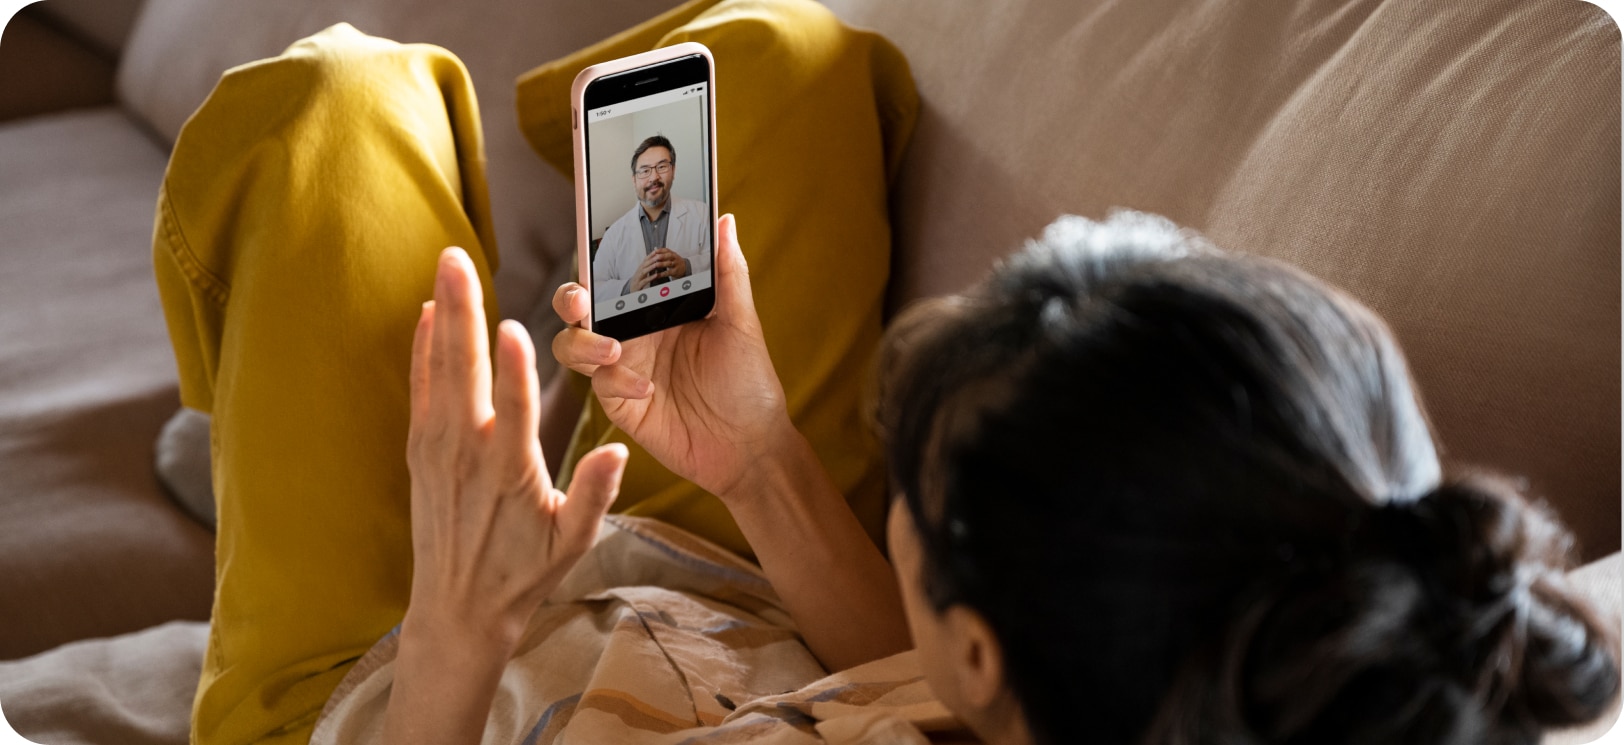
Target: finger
x,y
583,351
732,272
616,381
570,303
422,342
517,400
460,373
592,490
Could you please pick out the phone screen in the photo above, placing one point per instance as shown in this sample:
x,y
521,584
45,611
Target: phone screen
x,y
651,234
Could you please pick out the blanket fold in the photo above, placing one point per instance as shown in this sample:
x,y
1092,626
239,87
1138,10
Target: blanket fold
x,y
660,637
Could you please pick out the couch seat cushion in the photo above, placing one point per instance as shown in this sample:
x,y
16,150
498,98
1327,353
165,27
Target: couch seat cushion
x,y
90,546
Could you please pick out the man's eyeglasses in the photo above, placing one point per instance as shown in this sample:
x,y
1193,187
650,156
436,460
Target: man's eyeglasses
x,y
663,167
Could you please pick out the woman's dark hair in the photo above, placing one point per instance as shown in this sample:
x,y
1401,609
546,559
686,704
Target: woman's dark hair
x,y
1196,499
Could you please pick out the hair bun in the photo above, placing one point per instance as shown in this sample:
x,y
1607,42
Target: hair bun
x,y
1474,543
1449,619
1531,647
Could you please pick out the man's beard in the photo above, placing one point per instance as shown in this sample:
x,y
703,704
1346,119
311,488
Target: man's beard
x,y
654,204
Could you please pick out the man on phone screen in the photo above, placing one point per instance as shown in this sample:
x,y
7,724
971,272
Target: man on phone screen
x,y
662,237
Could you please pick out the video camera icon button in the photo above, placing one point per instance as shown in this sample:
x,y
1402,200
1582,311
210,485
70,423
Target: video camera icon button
x,y
620,305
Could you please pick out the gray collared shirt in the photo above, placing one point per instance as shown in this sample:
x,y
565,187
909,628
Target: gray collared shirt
x,y
654,230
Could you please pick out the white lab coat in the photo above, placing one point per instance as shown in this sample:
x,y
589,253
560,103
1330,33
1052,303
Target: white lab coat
x,y
621,250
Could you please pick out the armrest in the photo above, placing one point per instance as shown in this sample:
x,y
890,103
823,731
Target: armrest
x,y
44,69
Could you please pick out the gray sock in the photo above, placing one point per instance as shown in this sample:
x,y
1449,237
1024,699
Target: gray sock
x,y
183,463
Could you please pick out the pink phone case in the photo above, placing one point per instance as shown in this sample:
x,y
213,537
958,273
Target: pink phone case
x,y
583,228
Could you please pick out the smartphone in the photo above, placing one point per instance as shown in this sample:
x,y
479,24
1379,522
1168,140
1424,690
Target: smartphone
x,y
645,189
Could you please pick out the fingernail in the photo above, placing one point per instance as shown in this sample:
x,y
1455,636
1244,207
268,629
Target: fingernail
x,y
606,347
453,288
645,387
443,277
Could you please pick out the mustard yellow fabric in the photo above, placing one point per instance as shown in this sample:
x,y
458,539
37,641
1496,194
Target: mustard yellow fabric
x,y
812,119
296,236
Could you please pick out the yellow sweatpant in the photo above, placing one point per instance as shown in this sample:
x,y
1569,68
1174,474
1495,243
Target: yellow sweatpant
x,y
296,237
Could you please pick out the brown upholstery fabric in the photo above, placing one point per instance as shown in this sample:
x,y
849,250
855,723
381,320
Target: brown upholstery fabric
x,y
89,544
44,70
104,25
166,73
1453,164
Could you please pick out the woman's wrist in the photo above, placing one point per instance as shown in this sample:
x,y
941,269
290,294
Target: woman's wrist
x,y
433,625
460,657
831,577
786,462
445,680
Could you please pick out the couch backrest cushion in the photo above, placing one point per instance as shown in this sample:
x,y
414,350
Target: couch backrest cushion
x,y
1455,165
180,47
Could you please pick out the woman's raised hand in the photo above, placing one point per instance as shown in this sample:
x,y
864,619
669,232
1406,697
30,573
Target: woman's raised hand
x,y
702,397
491,536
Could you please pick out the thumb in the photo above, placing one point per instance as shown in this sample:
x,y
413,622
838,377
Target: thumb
x,y
593,488
732,272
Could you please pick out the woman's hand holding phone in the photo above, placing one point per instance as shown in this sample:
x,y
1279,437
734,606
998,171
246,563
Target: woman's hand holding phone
x,y
705,400
702,397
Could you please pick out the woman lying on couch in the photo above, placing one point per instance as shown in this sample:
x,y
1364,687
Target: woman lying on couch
x,y
1150,492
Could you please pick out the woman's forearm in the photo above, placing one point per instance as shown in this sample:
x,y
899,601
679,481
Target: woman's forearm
x,y
831,577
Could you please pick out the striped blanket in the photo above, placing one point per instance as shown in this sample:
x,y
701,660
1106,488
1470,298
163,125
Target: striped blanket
x,y
658,637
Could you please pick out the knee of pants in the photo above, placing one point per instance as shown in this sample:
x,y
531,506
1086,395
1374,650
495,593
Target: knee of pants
x,y
342,132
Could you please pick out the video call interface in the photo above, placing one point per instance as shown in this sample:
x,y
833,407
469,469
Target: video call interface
x,y
648,200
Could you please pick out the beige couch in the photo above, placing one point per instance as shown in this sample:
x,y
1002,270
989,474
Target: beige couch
x,y
1453,163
